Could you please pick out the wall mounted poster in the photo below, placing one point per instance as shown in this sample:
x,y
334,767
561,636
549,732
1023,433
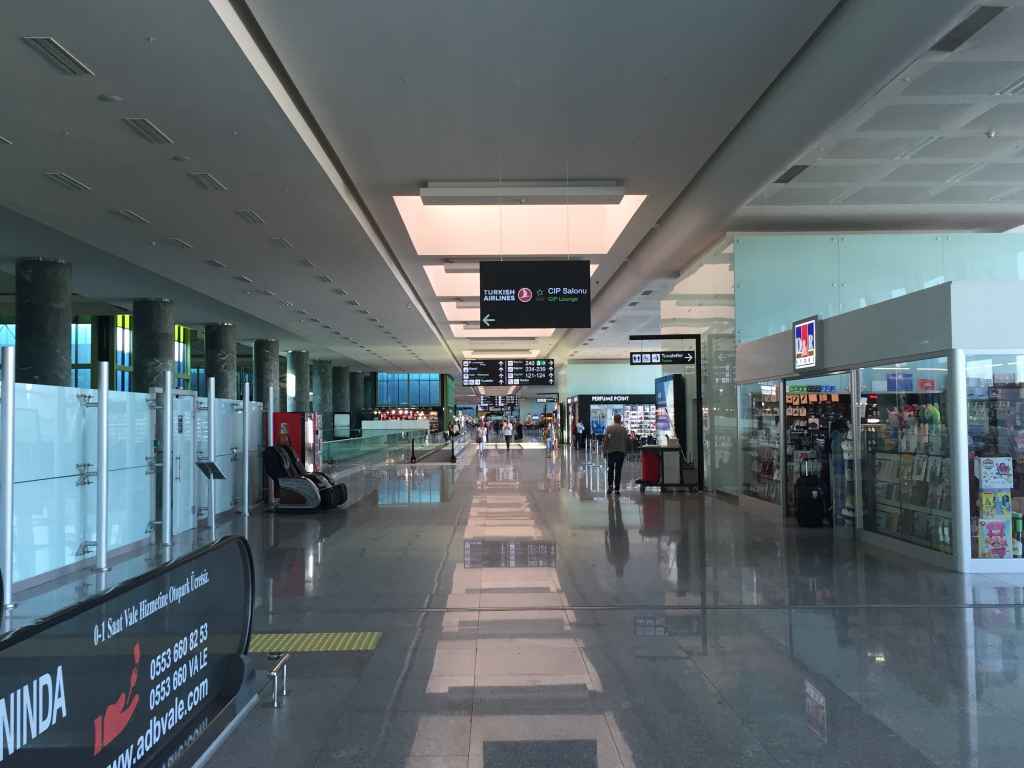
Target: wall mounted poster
x,y
994,537
996,504
995,473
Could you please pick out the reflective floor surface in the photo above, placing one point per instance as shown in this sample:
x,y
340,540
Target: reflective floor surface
x,y
528,620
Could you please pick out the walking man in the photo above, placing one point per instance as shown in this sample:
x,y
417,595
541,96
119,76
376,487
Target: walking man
x,y
507,431
615,451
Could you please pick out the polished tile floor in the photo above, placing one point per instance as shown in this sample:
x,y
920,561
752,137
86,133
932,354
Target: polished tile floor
x,y
528,620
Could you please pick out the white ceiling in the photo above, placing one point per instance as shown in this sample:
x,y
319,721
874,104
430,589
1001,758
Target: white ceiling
x,y
177,65
467,91
940,146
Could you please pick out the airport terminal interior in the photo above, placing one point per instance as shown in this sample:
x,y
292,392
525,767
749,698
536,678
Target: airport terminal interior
x,y
538,384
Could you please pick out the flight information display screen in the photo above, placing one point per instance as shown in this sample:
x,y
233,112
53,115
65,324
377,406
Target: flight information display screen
x,y
515,372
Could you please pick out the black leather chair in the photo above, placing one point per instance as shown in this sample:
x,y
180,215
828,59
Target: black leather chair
x,y
296,489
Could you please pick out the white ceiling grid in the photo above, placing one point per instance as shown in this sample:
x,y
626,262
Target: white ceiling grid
x,y
942,145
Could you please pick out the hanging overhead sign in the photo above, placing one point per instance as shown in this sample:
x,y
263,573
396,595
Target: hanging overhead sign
x,y
805,344
688,357
133,676
512,372
534,294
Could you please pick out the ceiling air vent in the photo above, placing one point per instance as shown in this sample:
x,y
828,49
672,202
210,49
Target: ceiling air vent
x,y
68,181
206,180
216,264
130,215
633,304
648,292
791,173
967,28
340,291
59,56
180,242
284,242
325,278
243,278
146,129
249,215
266,292
5,140
352,303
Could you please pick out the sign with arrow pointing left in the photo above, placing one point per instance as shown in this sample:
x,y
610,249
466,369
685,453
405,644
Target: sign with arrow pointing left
x,y
535,294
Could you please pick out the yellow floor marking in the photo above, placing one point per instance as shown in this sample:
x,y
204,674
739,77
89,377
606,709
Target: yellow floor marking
x,y
314,642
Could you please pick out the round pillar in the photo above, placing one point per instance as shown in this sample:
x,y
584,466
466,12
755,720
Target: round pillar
x,y
222,358
42,316
152,342
267,369
298,366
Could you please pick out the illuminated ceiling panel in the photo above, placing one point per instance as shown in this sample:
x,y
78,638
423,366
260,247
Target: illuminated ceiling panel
x,y
521,230
456,314
469,332
499,354
459,283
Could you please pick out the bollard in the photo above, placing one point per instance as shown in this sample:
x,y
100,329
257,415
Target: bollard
x,y
453,459
412,454
102,454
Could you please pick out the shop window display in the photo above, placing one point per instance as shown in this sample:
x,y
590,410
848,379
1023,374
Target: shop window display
x,y
819,452
759,439
995,443
906,476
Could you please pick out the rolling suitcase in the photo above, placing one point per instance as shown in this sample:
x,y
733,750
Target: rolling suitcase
x,y
810,502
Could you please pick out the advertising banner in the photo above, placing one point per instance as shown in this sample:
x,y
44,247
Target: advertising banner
x,y
805,344
121,679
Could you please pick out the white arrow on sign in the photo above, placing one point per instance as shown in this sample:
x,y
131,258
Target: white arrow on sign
x,y
487,320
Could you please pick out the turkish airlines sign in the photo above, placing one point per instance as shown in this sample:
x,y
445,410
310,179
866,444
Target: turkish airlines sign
x,y
130,678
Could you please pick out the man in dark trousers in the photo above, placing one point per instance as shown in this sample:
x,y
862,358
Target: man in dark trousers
x,y
615,451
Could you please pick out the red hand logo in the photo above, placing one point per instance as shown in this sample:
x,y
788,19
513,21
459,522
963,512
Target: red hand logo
x,y
109,726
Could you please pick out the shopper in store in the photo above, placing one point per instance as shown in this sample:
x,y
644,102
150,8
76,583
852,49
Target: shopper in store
x,y
615,442
581,435
508,430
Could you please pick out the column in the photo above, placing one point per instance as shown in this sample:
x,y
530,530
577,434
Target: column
x,y
266,369
152,342
42,314
340,401
222,358
298,366
323,394
355,397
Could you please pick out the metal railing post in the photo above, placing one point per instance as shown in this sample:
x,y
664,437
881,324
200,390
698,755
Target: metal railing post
x,y
245,449
7,475
168,459
211,450
102,468
270,440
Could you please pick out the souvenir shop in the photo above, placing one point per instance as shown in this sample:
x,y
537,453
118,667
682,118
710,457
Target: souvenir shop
x,y
900,424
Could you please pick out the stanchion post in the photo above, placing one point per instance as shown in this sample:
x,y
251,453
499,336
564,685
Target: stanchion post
x,y
7,476
168,460
412,454
453,459
211,450
245,449
270,440
102,465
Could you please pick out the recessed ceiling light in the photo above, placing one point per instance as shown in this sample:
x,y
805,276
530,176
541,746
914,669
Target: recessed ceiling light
x,y
68,181
148,130
130,215
249,215
59,56
206,180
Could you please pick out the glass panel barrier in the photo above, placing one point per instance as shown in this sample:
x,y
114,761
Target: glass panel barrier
x,y
378,445
905,465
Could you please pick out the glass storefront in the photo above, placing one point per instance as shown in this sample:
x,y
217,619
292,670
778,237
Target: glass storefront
x,y
759,440
906,474
995,443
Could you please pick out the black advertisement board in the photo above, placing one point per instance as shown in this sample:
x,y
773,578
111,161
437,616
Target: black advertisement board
x,y
512,372
123,678
688,357
535,294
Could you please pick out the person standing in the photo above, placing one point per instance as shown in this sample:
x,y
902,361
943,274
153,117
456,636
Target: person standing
x,y
581,436
615,451
507,431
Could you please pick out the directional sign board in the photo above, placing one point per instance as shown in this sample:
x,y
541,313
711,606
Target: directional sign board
x,y
534,294
497,402
510,373
688,357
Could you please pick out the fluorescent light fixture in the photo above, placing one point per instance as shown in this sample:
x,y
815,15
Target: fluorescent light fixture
x,y
454,282
469,332
521,193
521,230
499,354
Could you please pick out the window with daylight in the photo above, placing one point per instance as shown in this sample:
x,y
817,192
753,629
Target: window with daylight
x,y
81,354
123,359
182,358
421,389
